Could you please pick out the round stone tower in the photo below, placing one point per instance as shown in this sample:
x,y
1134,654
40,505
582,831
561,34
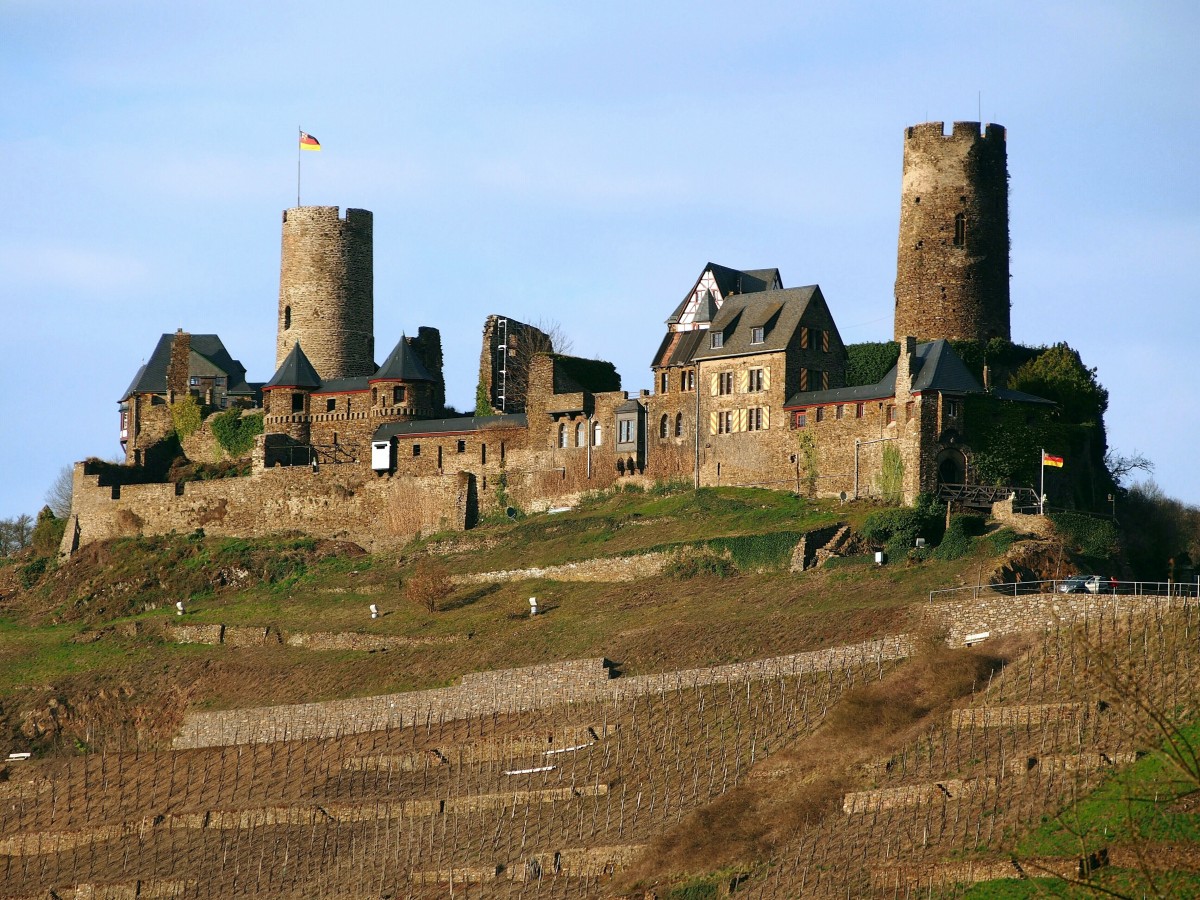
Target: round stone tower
x,y
952,265
326,290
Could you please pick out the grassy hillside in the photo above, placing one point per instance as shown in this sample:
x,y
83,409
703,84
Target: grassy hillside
x,y
692,790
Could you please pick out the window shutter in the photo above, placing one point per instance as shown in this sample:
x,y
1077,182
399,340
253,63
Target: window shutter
x,y
741,420
715,383
766,378
712,423
743,381
766,413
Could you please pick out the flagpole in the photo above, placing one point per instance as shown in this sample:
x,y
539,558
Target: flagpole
x,y
1042,490
299,131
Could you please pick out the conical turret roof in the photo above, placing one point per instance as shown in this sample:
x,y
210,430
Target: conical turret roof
x,y
295,372
402,364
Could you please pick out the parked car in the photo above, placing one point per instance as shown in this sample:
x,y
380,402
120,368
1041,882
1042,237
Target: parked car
x,y
1090,584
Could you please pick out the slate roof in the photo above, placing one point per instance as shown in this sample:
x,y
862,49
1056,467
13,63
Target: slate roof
x,y
678,348
729,281
151,378
457,425
296,371
936,368
779,312
343,385
402,364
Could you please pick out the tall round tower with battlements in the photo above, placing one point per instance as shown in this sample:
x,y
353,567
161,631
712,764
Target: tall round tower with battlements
x,y
952,265
326,290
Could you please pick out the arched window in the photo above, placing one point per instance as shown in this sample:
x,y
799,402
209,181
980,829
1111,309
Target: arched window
x,y
562,434
960,229
679,425
580,435
287,318
597,435
664,426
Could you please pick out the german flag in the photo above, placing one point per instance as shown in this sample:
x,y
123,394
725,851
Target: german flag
x,y
308,142
1048,460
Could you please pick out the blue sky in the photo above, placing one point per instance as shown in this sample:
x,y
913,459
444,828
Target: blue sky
x,y
575,163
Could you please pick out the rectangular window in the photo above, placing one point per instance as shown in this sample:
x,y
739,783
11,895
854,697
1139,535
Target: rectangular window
x,y
754,419
398,395
297,403
717,340
908,411
725,383
416,450
820,414
663,381
625,431
193,381
462,447
330,405
756,334
755,383
837,411
799,418
691,379
859,408
953,408
219,381
724,422
891,414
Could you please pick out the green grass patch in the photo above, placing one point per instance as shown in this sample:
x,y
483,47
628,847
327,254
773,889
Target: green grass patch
x,y
1132,804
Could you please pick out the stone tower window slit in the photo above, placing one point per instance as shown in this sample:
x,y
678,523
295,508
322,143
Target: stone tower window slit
x,y
960,229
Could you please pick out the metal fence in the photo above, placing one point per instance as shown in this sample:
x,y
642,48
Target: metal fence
x,y
1073,586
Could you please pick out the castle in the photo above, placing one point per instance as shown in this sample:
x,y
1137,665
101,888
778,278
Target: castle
x,y
750,387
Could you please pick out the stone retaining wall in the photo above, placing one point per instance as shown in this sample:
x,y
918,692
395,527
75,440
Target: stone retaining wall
x,y
1001,615
612,568
506,691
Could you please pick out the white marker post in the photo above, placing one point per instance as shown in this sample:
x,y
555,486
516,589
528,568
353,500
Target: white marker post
x,y
533,606
179,607
374,611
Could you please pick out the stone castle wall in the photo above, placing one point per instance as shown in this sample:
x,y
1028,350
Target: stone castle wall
x,y
338,502
952,278
326,290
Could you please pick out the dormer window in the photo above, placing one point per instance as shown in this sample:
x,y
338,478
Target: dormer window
x,y
756,334
716,340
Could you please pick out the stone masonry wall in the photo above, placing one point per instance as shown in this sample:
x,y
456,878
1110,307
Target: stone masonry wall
x,y
1000,615
326,290
339,502
952,279
506,691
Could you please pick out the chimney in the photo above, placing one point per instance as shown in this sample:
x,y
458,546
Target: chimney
x,y
904,366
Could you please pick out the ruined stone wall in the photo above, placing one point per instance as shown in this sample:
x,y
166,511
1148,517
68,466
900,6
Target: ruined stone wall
x,y
149,422
326,290
338,502
521,342
952,278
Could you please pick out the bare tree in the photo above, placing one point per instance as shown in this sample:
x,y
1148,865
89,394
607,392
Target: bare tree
x,y
58,495
15,534
1120,465
559,340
